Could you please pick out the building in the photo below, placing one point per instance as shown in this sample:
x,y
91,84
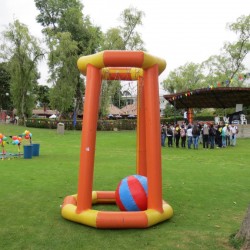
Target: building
x,y
131,107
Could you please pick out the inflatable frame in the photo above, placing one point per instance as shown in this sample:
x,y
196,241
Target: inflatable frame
x,y
128,65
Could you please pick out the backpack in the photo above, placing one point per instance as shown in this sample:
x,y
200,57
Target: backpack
x,y
163,131
212,131
170,131
195,131
183,132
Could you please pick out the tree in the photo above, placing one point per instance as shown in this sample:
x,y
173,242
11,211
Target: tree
x,y
22,52
238,50
52,11
5,102
184,78
225,68
112,39
63,20
222,69
124,37
116,93
171,111
243,235
42,95
131,18
105,99
216,69
64,73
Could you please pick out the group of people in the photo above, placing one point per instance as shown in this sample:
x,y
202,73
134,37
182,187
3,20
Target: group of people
x,y
209,135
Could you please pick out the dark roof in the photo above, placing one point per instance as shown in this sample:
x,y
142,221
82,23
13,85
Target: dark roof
x,y
210,98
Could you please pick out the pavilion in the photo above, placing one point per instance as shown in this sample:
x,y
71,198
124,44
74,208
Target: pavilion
x,y
221,97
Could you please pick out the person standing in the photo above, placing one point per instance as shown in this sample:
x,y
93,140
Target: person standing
x,y
218,138
196,134
228,135
205,134
234,132
177,135
170,136
212,133
189,136
16,120
183,136
185,117
224,135
163,135
216,120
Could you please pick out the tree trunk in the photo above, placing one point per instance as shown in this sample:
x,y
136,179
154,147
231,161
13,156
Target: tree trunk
x,y
244,232
22,111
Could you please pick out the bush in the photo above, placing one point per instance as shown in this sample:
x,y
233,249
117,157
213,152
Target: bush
x,y
108,125
121,124
102,125
204,118
196,118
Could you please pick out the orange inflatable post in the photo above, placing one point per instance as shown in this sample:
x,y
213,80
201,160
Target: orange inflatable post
x,y
141,166
91,107
153,143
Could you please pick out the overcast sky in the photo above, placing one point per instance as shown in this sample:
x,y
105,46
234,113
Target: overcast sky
x,y
179,31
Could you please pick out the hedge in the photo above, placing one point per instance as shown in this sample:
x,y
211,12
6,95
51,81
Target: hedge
x,y
106,125
102,125
196,118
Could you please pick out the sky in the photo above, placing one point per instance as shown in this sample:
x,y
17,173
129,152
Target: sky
x,y
179,31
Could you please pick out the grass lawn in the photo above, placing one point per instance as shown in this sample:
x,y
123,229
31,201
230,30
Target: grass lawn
x,y
208,190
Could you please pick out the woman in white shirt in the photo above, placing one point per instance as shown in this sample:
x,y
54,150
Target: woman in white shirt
x,y
234,132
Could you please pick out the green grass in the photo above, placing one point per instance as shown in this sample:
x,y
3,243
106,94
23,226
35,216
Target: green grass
x,y
208,190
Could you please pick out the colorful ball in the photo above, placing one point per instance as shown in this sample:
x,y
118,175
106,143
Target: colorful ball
x,y
16,142
131,193
14,137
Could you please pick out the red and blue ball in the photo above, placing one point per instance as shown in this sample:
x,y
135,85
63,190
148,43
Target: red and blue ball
x,y
132,193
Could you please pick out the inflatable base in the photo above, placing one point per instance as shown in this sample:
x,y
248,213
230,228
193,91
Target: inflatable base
x,y
112,219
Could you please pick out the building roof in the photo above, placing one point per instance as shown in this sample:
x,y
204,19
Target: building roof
x,y
221,97
130,109
42,112
114,110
